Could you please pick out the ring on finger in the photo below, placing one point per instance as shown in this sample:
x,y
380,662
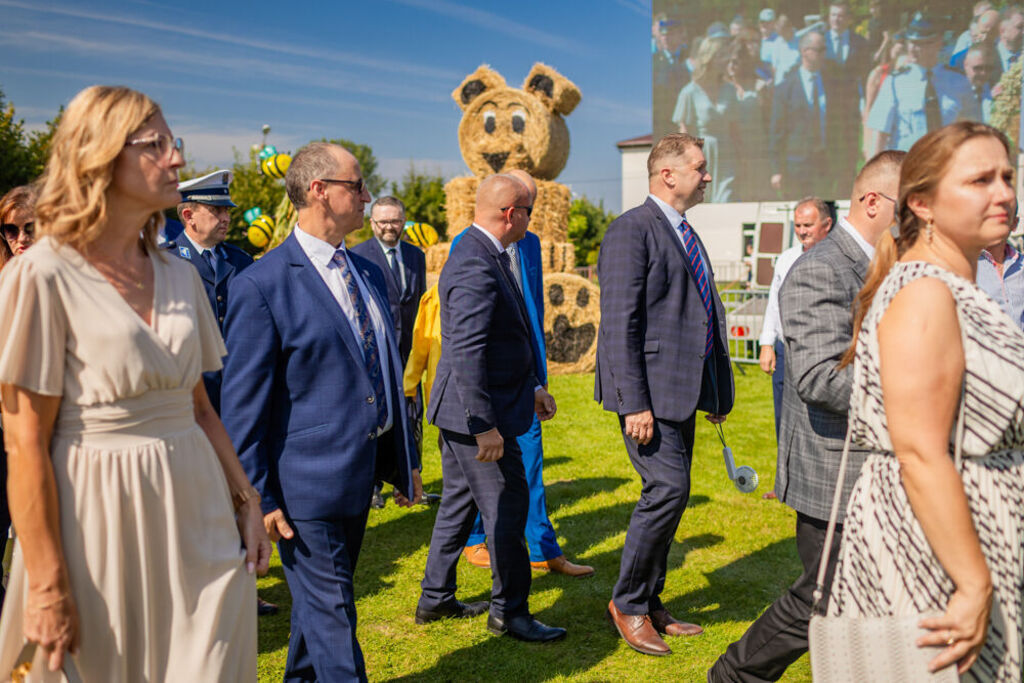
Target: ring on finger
x,y
950,639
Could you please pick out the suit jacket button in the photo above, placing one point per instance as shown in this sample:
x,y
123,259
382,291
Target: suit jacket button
x,y
221,318
220,298
701,356
370,436
369,399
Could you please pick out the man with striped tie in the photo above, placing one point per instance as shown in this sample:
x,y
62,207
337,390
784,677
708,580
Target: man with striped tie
x,y
662,355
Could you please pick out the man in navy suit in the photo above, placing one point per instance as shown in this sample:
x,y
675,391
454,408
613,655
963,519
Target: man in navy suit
x,y
662,354
405,270
205,212
485,394
812,144
847,50
313,403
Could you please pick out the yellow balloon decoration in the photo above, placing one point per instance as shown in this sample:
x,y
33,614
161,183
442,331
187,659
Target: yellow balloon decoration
x,y
276,166
423,235
260,231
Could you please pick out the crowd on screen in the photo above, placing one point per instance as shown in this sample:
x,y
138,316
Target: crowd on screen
x,y
790,105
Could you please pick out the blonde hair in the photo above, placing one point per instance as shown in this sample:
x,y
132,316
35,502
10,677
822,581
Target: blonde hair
x,y
72,204
924,166
708,52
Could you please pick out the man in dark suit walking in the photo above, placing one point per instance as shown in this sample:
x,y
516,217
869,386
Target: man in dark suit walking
x,y
485,394
813,136
313,403
815,303
661,356
205,211
405,270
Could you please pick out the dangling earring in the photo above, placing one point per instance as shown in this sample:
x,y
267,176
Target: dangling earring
x,y
928,230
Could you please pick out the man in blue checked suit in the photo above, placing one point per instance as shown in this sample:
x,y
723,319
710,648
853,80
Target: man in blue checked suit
x,y
205,213
485,394
545,553
313,403
662,355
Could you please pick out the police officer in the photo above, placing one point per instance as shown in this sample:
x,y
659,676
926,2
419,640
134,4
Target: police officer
x,y
205,213
922,95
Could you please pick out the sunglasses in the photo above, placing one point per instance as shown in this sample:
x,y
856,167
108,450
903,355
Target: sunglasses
x,y
527,209
357,185
163,146
11,230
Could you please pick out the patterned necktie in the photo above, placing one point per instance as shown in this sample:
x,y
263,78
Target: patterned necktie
x,y
517,273
506,265
396,268
368,338
932,113
697,265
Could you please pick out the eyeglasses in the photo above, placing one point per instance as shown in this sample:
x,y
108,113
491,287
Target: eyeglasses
x,y
528,209
880,194
390,224
357,185
11,231
163,145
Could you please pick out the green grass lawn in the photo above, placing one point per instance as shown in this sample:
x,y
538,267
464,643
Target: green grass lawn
x,y
734,554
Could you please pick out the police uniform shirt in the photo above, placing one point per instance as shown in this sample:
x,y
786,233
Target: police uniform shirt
x,y
198,249
899,110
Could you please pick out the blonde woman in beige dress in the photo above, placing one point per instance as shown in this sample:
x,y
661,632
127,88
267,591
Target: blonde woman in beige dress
x,y
130,558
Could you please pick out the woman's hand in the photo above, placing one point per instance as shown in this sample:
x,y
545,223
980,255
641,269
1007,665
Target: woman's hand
x,y
962,629
52,621
254,537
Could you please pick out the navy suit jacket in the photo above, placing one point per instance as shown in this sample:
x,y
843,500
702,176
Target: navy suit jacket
x,y
404,304
650,345
486,376
297,402
216,285
533,293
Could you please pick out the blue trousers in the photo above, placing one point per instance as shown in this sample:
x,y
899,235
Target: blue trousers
x,y
497,490
540,535
777,379
318,564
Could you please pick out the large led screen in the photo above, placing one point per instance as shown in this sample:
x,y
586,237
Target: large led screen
x,y
792,97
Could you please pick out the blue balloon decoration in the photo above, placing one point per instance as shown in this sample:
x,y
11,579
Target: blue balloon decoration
x,y
252,214
268,152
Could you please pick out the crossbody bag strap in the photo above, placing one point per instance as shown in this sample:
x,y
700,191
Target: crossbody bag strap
x,y
819,584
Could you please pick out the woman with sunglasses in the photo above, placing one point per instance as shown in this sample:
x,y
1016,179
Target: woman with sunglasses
x,y
129,556
17,213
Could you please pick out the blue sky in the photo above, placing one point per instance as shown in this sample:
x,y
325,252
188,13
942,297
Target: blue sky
x,y
378,72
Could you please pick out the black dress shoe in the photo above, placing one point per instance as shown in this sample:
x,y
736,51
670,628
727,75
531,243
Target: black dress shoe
x,y
524,627
264,608
456,609
430,498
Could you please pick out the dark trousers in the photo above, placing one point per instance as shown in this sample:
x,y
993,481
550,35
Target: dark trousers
x,y
777,379
779,636
540,534
498,491
318,564
664,468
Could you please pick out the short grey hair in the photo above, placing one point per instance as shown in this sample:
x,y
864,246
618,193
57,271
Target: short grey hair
x,y
313,162
387,200
818,203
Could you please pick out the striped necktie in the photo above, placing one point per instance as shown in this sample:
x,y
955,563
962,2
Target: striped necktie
x,y
368,338
701,276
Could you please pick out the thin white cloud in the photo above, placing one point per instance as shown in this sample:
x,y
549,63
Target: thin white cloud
x,y
493,22
636,6
278,46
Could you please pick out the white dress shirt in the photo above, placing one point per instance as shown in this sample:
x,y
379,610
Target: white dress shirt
x,y
771,330
321,254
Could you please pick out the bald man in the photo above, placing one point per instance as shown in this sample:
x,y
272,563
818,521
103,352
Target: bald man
x,y
541,540
485,394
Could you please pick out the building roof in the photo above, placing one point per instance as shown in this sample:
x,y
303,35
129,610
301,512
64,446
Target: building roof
x,y
642,141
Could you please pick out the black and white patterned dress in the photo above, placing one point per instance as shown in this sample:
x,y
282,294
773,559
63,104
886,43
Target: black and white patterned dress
x,y
886,566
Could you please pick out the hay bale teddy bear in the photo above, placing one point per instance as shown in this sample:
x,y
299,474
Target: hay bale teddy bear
x,y
504,128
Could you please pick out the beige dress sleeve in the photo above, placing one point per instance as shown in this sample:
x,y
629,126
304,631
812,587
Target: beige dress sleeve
x,y
211,343
33,329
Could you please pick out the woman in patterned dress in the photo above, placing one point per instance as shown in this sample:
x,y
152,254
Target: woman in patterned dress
x,y
122,478
922,536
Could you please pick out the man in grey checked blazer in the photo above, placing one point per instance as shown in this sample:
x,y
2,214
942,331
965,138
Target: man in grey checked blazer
x,y
661,356
815,304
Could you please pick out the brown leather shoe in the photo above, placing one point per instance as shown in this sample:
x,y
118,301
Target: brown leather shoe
x,y
560,565
477,555
638,632
663,622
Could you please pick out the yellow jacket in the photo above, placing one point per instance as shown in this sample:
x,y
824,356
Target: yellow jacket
x,y
426,346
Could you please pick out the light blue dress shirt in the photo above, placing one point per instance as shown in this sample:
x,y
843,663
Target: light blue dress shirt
x,y
1008,290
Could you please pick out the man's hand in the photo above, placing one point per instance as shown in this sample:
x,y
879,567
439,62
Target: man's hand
x,y
417,492
640,427
767,359
277,528
776,181
544,404
491,446
715,419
